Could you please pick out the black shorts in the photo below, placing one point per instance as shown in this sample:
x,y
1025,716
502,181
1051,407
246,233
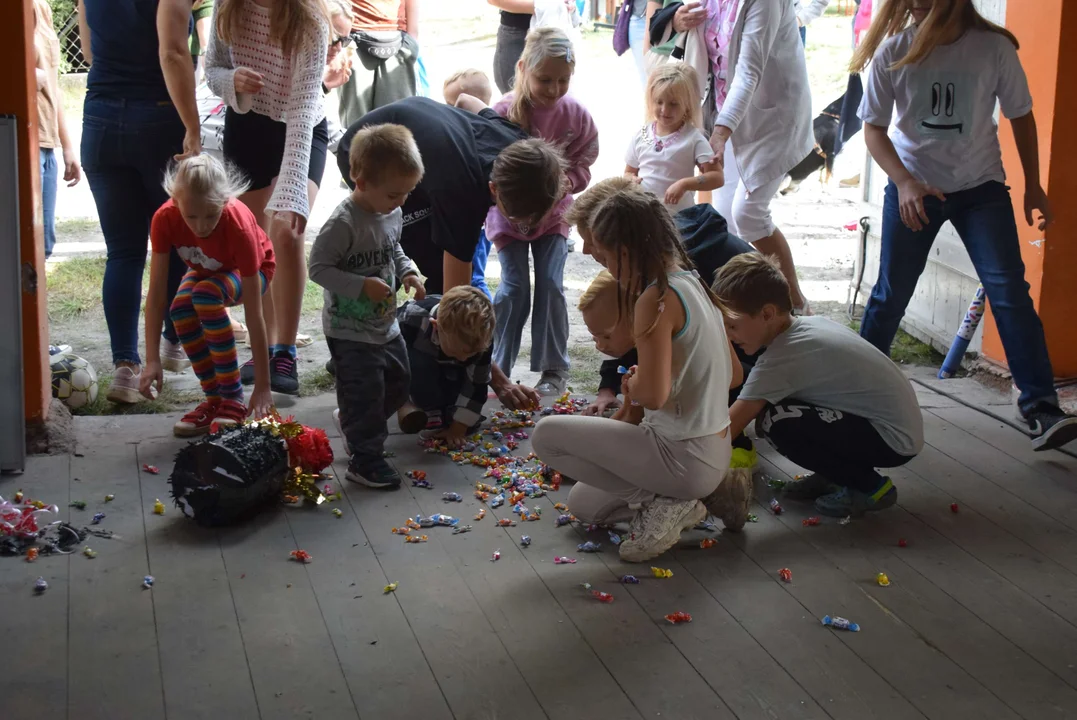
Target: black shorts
x,y
254,143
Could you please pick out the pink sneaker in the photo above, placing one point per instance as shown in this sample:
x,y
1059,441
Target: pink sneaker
x,y
124,387
173,356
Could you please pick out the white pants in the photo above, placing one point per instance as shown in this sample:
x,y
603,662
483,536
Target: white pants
x,y
748,215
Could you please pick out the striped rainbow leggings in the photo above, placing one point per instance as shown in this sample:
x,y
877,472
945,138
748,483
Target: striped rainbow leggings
x,y
204,329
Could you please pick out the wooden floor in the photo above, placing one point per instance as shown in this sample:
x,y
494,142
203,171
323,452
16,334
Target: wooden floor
x,y
980,619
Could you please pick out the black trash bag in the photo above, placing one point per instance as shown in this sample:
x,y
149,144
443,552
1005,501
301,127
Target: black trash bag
x,y
229,475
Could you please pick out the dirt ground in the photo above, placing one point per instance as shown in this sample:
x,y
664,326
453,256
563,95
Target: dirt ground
x,y
812,219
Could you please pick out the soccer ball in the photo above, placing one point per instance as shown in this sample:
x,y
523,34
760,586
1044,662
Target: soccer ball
x,y
74,380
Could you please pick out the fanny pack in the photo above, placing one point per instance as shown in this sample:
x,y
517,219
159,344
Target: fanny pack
x,y
380,48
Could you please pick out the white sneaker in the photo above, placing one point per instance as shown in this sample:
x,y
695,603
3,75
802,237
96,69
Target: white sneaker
x,y
657,527
124,387
173,356
340,429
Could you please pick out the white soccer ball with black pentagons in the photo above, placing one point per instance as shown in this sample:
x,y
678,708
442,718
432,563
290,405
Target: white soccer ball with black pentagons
x,y
74,381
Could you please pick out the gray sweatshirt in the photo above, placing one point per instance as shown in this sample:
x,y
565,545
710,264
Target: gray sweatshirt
x,y
353,245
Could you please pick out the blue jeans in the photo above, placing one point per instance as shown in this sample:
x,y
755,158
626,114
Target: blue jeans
x,y
549,326
803,34
126,146
983,217
478,264
637,28
49,177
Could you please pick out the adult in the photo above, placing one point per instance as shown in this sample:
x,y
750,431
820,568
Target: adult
x,y
202,15
266,60
808,11
638,37
387,48
51,125
131,129
763,128
445,213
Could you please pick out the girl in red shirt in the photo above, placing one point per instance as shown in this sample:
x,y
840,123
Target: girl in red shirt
x,y
230,260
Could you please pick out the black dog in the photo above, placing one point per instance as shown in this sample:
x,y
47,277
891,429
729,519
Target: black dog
x,y
821,158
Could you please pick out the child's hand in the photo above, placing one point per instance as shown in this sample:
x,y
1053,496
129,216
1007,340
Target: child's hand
x,y
911,194
515,396
376,289
452,435
261,402
605,400
415,283
151,374
675,192
1036,199
625,389
247,81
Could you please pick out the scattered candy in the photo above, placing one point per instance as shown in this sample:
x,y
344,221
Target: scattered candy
x,y
678,618
602,596
301,556
411,524
706,525
525,541
840,623
391,587
89,553
338,512
882,579
661,573
902,542
497,501
563,520
564,560
401,531
444,520
621,370
615,538
776,483
97,518
630,580
425,484
147,581
560,507
481,514
752,517
461,529
451,497
505,522
589,547
31,554
775,506
40,585
110,498
810,521
786,575
496,556
416,539
78,505
586,586
845,520
151,469
159,507
416,474
707,543
953,507
18,496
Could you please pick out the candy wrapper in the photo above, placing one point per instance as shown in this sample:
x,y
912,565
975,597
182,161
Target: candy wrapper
x,y
337,512
40,585
525,541
563,520
505,522
25,520
706,543
461,529
589,547
882,579
840,623
496,556
391,587
416,539
786,575
147,582
629,580
402,531
151,469
301,556
954,508
480,514
110,498
97,518
89,553
602,596
661,573
810,521
678,617
615,538
560,507
31,554
564,560
444,520
775,506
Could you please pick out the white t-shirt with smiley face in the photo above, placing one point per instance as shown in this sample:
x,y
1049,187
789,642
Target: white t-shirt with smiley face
x,y
945,130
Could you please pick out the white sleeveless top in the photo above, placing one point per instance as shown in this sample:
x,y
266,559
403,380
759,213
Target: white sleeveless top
x,y
698,403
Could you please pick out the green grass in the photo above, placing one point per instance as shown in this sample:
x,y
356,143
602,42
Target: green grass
x,y
77,226
493,283
168,400
74,287
583,376
907,350
316,382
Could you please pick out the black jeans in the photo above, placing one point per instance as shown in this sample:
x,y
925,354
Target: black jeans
x,y
843,448
435,387
372,384
510,46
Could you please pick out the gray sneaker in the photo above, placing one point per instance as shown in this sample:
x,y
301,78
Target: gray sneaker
x,y
552,383
173,356
732,500
124,386
657,527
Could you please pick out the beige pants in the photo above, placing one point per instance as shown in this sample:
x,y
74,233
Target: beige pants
x,y
619,467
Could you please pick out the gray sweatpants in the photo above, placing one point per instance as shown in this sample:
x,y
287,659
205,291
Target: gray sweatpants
x,y
618,466
373,382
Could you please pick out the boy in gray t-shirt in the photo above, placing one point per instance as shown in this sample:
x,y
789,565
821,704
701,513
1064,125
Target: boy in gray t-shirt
x,y
824,397
357,258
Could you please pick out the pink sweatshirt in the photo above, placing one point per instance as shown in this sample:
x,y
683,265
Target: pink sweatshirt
x,y
571,128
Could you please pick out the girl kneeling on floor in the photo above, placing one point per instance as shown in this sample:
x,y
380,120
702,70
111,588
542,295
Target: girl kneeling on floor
x,y
652,473
231,261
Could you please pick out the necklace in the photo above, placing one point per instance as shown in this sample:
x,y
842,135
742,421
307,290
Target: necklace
x,y
661,143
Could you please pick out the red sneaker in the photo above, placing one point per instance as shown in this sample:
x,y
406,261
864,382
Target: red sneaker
x,y
231,412
197,421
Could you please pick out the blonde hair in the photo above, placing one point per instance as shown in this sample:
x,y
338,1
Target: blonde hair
x,y
380,151
579,213
749,282
293,24
542,43
602,289
340,7
471,81
681,81
529,176
467,315
205,177
946,21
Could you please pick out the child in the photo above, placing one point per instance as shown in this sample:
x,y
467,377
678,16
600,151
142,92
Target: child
x,y
231,261
656,471
450,345
357,258
539,104
466,82
665,152
944,163
825,398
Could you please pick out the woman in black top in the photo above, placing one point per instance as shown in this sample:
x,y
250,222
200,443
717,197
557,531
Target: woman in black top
x,y
515,21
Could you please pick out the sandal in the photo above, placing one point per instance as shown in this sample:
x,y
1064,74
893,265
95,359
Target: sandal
x,y
302,341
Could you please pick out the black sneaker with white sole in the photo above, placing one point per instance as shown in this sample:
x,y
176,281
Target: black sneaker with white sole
x,y
1050,427
373,472
283,374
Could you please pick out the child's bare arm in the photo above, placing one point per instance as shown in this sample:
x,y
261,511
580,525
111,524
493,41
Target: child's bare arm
x,y
652,381
742,413
261,401
155,317
738,370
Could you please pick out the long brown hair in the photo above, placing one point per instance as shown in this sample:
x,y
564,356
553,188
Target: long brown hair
x,y
292,23
639,223
541,43
946,21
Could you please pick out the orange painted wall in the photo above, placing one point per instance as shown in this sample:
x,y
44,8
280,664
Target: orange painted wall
x,y
18,97
1051,266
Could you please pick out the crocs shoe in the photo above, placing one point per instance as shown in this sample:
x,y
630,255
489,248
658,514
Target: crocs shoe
x,y
853,503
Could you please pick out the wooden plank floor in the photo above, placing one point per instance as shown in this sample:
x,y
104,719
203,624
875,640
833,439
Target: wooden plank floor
x,y
980,619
